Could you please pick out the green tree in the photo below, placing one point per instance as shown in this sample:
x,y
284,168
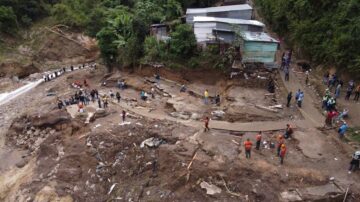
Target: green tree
x,y
183,41
8,22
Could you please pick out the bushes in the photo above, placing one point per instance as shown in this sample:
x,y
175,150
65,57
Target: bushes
x,y
8,22
183,41
326,31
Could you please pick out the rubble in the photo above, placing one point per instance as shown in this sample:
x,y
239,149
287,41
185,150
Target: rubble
x,y
210,188
152,142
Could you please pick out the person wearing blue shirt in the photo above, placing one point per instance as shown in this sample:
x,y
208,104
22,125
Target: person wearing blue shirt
x,y
342,129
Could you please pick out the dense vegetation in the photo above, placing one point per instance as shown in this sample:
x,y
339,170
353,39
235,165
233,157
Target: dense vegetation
x,y
327,31
122,27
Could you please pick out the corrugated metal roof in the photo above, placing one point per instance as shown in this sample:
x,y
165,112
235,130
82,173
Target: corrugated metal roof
x,y
228,20
258,36
219,9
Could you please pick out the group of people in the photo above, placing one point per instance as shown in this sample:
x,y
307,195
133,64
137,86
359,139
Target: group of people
x,y
333,81
299,98
281,148
50,76
215,101
81,98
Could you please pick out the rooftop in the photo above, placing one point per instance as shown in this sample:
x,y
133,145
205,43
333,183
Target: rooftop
x,y
219,9
228,20
258,36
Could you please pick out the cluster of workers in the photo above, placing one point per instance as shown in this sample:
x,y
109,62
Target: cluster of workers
x,y
281,148
334,82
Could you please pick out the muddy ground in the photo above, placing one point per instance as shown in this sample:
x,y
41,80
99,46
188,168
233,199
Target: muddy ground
x,y
65,159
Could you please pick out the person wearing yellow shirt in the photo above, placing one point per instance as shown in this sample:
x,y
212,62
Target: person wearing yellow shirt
x,y
206,96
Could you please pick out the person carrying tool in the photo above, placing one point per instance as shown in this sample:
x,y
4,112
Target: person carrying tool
x,y
248,145
258,140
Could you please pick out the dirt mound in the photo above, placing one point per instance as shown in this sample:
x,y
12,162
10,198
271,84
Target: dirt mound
x,y
16,69
62,50
29,132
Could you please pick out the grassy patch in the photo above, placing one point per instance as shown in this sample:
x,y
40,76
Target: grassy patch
x,y
354,134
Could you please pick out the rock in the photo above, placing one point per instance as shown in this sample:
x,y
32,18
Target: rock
x,y
218,113
22,163
210,188
152,142
195,116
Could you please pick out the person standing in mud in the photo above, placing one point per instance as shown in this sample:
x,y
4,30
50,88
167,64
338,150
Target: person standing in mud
x,y
118,97
123,115
286,71
282,153
96,93
206,97
206,122
280,142
99,103
258,140
248,145
289,97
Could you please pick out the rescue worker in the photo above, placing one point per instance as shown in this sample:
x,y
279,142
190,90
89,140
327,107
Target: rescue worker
x,y
288,131
206,97
280,142
206,121
282,153
354,164
118,97
248,145
258,140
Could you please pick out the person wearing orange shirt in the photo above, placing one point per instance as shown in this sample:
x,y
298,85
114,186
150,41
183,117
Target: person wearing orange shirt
x,y
280,142
258,140
282,153
248,145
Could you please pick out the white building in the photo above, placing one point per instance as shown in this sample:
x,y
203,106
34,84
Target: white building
x,y
210,28
242,11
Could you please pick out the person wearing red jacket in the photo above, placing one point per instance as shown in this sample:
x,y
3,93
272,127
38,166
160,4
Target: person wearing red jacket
x,y
248,145
282,153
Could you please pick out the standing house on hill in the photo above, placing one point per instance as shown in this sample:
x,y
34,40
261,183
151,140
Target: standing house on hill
x,y
160,32
210,29
242,11
258,47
